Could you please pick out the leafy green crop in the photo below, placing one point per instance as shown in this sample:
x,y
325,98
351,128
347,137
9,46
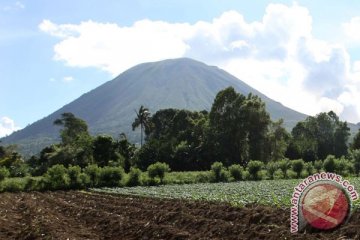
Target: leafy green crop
x,y
268,192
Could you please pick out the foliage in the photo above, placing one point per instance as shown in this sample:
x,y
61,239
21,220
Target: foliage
x,y
158,169
74,173
236,171
297,166
134,177
330,163
355,158
254,167
142,120
238,127
219,172
111,176
319,136
57,177
4,173
93,171
271,168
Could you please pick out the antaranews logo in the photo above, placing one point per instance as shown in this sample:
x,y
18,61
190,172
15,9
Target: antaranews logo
x,y
323,201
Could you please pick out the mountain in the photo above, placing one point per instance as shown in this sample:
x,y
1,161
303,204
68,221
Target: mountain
x,y
109,109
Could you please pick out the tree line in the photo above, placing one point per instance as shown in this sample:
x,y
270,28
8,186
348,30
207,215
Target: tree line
x,y
237,131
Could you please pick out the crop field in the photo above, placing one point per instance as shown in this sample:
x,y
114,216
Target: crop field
x,y
257,210
275,193
89,215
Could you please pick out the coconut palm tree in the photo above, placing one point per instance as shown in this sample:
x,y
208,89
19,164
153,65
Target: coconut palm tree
x,y
142,120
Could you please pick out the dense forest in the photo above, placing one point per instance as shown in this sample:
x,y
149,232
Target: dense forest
x,y
237,137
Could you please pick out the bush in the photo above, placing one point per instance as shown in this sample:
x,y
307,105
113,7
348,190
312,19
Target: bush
x,y
254,168
297,166
291,174
219,172
57,177
33,184
309,167
236,171
284,165
84,180
134,177
4,173
355,159
271,168
158,169
14,185
93,171
318,165
278,174
111,176
74,176
204,177
330,163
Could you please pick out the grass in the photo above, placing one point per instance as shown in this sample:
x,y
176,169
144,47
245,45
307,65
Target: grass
x,y
267,192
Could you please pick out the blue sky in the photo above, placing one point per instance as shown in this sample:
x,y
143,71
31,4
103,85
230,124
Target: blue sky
x,y
305,54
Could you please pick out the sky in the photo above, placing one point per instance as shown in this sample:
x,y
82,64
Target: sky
x,y
304,54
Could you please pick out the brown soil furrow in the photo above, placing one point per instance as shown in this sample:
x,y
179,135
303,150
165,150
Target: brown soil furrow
x,y
79,215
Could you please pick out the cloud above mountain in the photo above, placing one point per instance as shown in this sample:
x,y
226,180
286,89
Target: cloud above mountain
x,y
7,126
278,55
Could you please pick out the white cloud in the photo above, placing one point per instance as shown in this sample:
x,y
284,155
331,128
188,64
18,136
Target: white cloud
x,y
351,29
68,79
15,6
277,55
7,126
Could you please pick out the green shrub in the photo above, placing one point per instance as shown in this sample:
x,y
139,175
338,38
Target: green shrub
x,y
84,180
204,177
236,171
93,171
219,172
33,184
254,168
14,184
284,165
4,173
297,166
134,177
111,176
330,163
74,176
355,159
271,168
309,168
278,174
158,169
291,174
147,181
57,177
318,165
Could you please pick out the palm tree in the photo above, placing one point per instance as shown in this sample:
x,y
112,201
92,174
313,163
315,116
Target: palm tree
x,y
142,120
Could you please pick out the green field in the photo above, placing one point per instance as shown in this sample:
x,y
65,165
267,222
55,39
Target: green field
x,y
266,192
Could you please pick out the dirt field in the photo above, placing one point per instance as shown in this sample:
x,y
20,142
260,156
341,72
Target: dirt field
x,y
77,215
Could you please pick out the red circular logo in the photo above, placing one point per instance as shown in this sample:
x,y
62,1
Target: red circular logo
x,y
325,206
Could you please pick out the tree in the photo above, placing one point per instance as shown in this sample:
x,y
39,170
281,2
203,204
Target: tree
x,y
103,150
73,128
142,120
319,136
278,140
76,147
356,141
238,127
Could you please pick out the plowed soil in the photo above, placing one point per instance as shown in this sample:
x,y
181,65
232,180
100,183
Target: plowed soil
x,y
80,215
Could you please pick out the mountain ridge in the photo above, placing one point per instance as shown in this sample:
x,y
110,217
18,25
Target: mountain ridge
x,y
174,83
